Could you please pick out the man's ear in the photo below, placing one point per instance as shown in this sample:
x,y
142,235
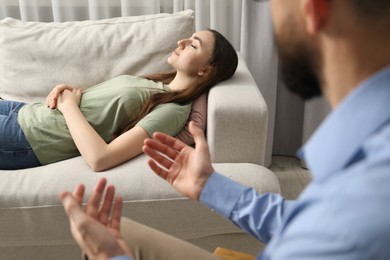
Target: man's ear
x,y
316,13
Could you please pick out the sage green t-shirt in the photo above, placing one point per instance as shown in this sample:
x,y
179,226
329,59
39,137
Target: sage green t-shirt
x,y
108,106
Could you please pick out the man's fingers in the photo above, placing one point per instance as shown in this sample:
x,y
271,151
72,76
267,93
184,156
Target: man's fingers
x,y
158,157
94,200
158,170
71,205
63,195
197,133
169,141
105,209
160,147
115,222
78,193
79,222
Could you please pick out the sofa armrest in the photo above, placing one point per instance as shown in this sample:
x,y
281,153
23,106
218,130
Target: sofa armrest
x,y
237,119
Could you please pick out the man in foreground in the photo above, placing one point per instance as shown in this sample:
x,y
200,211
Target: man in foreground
x,y
336,48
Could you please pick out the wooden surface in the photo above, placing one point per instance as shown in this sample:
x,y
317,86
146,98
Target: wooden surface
x,y
227,254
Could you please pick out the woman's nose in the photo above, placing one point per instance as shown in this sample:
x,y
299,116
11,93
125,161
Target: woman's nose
x,y
182,43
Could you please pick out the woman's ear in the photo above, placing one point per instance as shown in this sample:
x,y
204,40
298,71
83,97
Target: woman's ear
x,y
204,70
316,13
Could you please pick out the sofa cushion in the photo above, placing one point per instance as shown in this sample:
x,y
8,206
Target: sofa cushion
x,y
198,115
36,56
32,218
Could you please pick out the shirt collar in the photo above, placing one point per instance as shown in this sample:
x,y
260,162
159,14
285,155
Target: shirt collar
x,y
334,144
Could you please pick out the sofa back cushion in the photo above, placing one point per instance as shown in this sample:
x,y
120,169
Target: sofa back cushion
x,y
35,56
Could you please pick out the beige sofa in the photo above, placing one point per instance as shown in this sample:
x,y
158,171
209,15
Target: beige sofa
x,y
32,221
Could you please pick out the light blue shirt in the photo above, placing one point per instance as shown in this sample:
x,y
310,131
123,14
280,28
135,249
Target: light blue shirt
x,y
122,257
344,213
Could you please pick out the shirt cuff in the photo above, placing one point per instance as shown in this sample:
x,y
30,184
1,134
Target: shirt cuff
x,y
121,257
221,194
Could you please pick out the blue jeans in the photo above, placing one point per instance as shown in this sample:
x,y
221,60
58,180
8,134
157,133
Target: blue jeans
x,y
15,151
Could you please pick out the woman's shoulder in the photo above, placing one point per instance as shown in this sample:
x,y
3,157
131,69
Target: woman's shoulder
x,y
173,106
129,82
126,77
117,81
137,80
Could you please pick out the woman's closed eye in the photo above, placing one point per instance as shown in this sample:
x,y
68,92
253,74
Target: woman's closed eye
x,y
193,46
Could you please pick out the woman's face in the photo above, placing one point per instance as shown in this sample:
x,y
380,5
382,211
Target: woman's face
x,y
193,54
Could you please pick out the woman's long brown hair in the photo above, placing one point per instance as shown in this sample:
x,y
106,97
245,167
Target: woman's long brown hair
x,y
224,62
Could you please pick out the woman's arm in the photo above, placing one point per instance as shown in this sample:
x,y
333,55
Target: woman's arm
x,y
96,152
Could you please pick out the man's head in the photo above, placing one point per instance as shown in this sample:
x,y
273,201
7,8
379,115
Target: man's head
x,y
304,28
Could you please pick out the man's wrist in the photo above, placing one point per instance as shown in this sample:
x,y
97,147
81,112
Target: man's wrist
x,y
202,183
221,202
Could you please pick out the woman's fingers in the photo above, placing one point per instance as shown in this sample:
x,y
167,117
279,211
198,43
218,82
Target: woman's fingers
x,y
77,91
52,98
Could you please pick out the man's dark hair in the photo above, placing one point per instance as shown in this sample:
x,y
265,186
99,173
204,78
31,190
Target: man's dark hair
x,y
372,7
373,12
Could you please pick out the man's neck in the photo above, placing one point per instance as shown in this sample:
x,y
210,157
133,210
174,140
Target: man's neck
x,y
347,63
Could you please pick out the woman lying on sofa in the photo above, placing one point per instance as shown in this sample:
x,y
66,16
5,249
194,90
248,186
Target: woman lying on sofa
x,y
107,123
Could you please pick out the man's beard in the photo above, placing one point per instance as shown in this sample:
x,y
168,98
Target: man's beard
x,y
297,68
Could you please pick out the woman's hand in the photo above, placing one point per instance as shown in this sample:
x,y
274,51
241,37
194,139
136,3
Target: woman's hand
x,y
69,97
52,98
95,230
185,168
